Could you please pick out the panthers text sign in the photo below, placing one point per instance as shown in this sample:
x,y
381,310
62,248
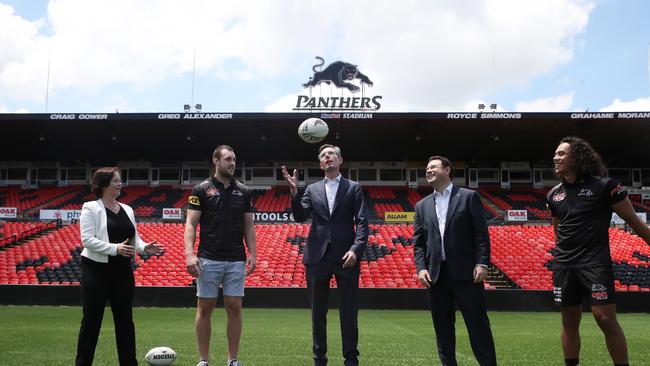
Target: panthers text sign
x,y
341,75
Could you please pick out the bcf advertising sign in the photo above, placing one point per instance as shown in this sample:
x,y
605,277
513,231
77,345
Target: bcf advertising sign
x,y
8,212
172,214
517,215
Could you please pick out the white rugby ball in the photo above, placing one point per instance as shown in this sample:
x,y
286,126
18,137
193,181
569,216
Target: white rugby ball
x,y
313,130
160,356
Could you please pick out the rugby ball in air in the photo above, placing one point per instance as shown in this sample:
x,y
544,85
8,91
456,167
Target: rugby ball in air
x,y
160,356
313,130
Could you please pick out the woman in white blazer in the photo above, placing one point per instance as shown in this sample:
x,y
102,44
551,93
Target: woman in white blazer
x,y
110,240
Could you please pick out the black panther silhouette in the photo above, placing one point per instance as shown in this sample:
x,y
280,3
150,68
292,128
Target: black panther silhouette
x,y
337,72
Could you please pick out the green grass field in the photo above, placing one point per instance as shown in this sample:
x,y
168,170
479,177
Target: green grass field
x,y
31,335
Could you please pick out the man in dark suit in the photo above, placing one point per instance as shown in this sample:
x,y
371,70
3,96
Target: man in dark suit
x,y
452,252
333,247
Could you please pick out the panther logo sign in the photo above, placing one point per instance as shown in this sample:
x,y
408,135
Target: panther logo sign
x,y
337,73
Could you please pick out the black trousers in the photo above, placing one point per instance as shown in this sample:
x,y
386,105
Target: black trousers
x,y
100,282
318,285
447,295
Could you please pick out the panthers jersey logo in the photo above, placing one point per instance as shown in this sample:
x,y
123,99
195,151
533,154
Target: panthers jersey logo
x,y
194,200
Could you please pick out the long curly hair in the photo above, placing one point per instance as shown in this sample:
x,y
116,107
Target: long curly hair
x,y
586,160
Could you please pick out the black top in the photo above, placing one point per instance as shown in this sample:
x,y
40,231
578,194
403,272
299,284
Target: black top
x,y
119,228
222,218
583,212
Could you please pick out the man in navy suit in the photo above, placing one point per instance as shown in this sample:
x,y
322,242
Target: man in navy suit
x,y
333,247
452,252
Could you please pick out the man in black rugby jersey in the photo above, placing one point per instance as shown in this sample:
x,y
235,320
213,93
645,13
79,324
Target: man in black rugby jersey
x,y
581,207
222,206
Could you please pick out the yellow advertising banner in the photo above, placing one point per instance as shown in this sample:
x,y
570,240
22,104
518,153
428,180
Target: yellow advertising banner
x,y
391,216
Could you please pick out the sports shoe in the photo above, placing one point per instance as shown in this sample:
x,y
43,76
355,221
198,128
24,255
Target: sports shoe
x,y
202,363
233,363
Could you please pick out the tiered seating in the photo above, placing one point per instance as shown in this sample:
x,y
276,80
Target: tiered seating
x,y
631,256
8,229
276,199
72,201
519,198
521,252
382,199
54,258
43,260
25,199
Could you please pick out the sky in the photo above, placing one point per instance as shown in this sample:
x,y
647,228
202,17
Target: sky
x,y
254,56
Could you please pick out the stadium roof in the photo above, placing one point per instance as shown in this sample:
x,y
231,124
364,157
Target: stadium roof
x,y
622,138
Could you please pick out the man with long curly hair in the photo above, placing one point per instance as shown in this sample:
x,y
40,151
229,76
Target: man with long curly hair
x,y
581,207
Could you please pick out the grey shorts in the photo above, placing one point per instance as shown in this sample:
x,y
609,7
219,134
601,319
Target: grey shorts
x,y
229,275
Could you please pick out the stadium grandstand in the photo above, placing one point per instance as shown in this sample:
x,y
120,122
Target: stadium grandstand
x,y
48,159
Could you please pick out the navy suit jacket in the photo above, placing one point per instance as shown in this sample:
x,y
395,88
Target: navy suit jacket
x,y
337,228
467,241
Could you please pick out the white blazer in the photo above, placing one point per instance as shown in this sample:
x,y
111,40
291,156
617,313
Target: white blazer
x,y
94,234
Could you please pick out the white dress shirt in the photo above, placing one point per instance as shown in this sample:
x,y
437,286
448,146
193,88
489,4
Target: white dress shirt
x,y
331,187
442,204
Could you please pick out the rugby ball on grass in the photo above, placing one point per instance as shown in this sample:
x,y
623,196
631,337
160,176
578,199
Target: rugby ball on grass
x,y
160,356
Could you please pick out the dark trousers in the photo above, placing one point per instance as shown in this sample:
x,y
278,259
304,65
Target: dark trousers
x,y
469,297
318,285
101,282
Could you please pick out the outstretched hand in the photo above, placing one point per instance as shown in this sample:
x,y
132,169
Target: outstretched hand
x,y
124,249
292,180
154,248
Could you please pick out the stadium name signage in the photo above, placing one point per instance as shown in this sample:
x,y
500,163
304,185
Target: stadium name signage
x,y
195,116
8,212
78,116
610,115
488,115
306,103
346,115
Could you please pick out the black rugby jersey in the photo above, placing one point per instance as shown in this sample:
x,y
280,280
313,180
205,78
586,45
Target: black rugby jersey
x,y
583,212
222,218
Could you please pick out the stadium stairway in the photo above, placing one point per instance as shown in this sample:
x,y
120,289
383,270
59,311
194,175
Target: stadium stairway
x,y
29,201
492,211
496,279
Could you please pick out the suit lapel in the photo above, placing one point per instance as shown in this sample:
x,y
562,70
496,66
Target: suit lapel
x,y
431,209
323,197
454,198
102,228
343,186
